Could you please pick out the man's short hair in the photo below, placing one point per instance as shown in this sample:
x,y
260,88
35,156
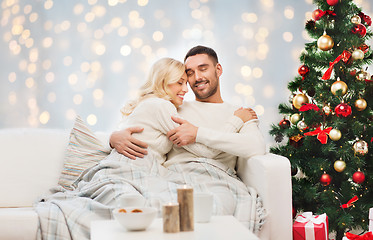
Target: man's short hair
x,y
202,50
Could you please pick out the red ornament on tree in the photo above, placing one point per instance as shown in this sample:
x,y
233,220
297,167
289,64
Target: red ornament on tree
x,y
358,177
317,14
364,48
359,29
325,179
284,123
365,18
343,110
332,2
303,70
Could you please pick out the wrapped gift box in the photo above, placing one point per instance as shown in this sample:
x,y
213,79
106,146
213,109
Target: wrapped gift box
x,y
371,220
311,227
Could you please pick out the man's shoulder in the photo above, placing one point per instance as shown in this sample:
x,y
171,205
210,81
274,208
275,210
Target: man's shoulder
x,y
193,107
188,104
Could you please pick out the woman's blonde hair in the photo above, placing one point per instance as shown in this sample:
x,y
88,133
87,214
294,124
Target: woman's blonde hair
x,y
163,72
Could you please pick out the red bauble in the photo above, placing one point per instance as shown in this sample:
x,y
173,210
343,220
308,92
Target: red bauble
x,y
358,177
303,70
364,48
365,19
294,212
284,123
343,110
325,179
359,29
332,2
317,14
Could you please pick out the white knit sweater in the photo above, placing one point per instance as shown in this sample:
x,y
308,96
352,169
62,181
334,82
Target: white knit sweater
x,y
154,115
212,119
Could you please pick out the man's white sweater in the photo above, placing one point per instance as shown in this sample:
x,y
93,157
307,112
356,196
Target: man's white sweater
x,y
211,120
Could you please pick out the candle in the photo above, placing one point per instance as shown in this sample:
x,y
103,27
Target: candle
x,y
185,199
171,222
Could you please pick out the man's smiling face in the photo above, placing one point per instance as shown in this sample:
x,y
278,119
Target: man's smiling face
x,y
203,76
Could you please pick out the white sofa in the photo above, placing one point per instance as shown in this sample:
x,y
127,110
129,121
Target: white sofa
x,y
32,160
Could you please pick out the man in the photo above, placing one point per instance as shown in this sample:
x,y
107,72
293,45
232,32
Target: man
x,y
209,112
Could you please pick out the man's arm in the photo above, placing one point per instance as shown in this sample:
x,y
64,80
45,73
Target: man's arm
x,y
186,133
248,142
126,144
168,112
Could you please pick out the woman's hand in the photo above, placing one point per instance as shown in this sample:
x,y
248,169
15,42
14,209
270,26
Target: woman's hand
x,y
246,114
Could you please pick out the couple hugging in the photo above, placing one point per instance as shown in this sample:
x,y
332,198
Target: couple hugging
x,y
164,143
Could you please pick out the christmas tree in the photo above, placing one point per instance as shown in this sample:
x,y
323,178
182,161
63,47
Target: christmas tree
x,y
327,128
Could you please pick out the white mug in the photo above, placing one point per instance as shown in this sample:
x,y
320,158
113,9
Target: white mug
x,y
131,200
203,205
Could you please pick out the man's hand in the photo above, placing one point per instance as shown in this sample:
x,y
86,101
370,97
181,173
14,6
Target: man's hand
x,y
126,144
184,134
246,114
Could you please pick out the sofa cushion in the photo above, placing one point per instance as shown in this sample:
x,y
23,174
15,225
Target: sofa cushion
x,y
84,150
31,162
18,223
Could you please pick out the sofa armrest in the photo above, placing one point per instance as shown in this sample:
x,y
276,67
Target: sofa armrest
x,y
270,176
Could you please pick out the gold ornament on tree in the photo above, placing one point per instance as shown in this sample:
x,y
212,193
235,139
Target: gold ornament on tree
x,y
295,118
361,104
360,147
339,88
356,19
335,134
357,54
299,99
340,165
325,42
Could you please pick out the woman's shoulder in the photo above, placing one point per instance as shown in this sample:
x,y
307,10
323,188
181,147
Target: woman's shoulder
x,y
156,103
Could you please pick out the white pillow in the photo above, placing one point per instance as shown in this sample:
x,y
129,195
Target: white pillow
x,y
84,150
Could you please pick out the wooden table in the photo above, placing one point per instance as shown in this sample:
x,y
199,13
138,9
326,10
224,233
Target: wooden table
x,y
219,228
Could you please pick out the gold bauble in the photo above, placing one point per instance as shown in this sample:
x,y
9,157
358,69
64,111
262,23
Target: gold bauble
x,y
335,134
356,19
299,99
325,42
360,147
295,118
339,85
363,75
339,165
361,104
357,54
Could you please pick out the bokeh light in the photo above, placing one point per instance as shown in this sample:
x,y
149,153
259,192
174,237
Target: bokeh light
x,y
61,59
